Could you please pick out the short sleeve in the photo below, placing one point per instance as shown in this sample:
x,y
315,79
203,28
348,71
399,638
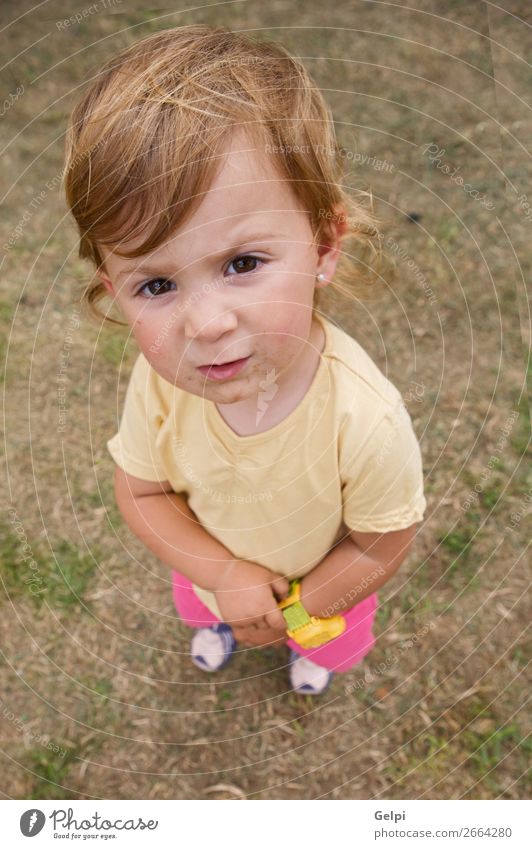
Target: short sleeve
x,y
134,448
382,478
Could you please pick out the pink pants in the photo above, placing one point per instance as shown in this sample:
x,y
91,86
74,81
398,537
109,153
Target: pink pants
x,y
339,655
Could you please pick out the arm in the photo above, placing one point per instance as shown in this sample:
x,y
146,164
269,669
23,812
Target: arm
x,y
350,572
163,521
353,569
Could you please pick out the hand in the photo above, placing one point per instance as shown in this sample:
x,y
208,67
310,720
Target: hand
x,y
251,636
247,595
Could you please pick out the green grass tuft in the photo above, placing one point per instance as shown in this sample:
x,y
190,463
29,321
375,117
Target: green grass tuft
x,y
52,771
463,567
60,577
520,438
115,347
489,749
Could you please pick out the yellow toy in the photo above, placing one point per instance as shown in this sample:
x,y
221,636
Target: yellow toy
x,y
308,631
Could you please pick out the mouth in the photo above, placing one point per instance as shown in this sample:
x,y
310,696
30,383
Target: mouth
x,y
225,370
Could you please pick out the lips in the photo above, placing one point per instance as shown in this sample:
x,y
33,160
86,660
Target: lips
x,y
226,363
225,370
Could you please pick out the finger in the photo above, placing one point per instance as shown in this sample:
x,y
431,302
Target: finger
x,y
243,640
279,641
244,622
281,587
243,635
247,628
255,636
270,638
258,640
253,622
275,619
253,642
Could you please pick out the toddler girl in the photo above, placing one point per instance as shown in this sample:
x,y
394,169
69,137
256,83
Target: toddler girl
x,y
261,453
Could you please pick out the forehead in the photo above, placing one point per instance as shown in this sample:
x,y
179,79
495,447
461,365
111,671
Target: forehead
x,y
248,170
248,182
248,187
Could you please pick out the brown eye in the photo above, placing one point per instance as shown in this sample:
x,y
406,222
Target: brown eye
x,y
243,264
158,286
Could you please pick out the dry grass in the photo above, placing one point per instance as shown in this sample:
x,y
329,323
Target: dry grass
x,y
97,661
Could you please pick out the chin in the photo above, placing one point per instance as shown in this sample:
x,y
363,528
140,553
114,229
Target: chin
x,y
226,394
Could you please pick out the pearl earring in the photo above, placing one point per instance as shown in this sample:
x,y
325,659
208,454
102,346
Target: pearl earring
x,y
320,278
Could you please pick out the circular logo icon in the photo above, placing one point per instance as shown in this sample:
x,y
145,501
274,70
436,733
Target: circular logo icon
x,y
32,822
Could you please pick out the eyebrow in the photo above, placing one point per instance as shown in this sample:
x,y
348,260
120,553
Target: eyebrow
x,y
252,237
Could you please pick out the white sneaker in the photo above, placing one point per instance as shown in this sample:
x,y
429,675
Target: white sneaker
x,y
211,648
307,677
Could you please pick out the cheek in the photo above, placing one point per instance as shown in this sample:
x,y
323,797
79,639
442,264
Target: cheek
x,y
148,328
285,342
155,342
292,321
144,335
285,313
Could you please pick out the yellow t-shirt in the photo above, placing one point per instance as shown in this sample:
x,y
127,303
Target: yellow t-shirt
x,y
345,458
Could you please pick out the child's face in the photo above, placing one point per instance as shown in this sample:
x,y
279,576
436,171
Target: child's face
x,y
235,283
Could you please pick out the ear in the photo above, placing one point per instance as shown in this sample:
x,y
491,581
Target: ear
x,y
329,247
107,283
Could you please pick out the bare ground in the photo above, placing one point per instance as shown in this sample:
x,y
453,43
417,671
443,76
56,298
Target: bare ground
x,y
98,697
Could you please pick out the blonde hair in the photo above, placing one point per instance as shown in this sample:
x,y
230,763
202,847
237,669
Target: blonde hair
x,y
144,142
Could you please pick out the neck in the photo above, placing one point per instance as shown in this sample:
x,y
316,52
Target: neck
x,y
291,389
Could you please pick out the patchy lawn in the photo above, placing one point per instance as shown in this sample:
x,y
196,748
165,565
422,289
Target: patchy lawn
x,y
99,698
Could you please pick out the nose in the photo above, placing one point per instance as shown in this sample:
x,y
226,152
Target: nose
x,y
207,318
